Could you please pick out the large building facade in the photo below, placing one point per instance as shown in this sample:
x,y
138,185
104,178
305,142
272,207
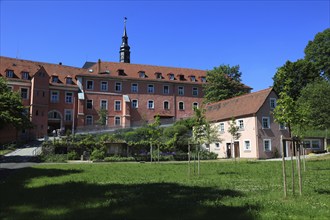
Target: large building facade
x,y
60,97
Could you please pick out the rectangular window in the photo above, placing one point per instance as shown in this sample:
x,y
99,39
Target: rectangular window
x,y
104,104
104,86
166,105
265,122
241,124
89,104
151,104
195,91
267,145
55,79
193,78
217,145
10,74
282,127
90,84
272,103
195,105
166,90
89,120
68,97
222,127
171,76
135,103
181,90
24,93
117,120
203,79
25,75
316,144
68,114
54,96
247,145
151,89
68,80
142,74
134,87
118,87
117,105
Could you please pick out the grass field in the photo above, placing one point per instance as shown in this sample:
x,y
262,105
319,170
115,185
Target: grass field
x,y
224,190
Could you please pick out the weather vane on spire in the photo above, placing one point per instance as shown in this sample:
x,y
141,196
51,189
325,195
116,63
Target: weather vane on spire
x,y
125,19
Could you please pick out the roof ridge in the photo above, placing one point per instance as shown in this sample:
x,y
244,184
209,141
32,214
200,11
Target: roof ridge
x,y
241,96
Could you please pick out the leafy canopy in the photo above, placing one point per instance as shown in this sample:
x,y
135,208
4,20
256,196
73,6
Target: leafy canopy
x,y
11,108
318,52
223,82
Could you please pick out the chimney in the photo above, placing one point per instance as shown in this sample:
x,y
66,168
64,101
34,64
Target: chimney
x,y
99,66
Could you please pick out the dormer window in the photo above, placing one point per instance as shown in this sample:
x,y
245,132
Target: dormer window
x,y
10,74
203,79
171,76
192,78
181,77
25,75
68,80
121,72
158,75
55,79
142,74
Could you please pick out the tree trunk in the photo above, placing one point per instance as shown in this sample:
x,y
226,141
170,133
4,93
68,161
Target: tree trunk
x,y
292,166
299,171
283,167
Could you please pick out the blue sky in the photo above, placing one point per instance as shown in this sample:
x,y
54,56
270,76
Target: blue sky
x,y
260,36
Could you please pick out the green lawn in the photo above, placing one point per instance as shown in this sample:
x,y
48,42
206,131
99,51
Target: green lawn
x,y
224,190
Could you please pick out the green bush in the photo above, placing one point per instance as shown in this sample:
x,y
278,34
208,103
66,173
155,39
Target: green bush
x,y
118,159
73,155
53,158
97,154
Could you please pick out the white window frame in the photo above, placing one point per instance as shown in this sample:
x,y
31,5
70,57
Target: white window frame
x,y
68,80
240,124
195,91
10,74
136,105
116,119
270,145
171,76
151,88
25,75
91,86
181,90
52,100
104,86
151,104
268,122
282,126
117,105
222,127
168,105
195,104
142,74
89,120
193,78
181,109
118,86
272,103
68,98
247,147
27,93
203,79
68,113
168,89
134,88
102,105
91,101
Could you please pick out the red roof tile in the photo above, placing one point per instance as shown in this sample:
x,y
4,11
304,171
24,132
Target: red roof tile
x,y
243,105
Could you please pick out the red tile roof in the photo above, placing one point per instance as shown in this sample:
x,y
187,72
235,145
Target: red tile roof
x,y
240,106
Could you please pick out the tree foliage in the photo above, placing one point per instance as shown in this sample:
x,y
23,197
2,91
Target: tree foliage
x,y
294,76
233,129
12,111
223,82
318,52
314,104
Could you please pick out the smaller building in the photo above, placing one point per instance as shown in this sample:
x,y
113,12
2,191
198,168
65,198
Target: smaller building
x,y
259,134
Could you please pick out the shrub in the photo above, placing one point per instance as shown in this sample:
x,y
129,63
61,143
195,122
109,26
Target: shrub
x,y
73,155
98,154
53,158
118,159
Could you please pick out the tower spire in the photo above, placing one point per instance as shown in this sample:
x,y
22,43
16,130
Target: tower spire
x,y
124,53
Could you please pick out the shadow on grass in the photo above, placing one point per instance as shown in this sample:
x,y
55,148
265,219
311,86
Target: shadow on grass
x,y
80,200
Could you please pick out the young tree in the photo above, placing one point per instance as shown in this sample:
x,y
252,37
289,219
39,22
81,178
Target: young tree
x,y
318,52
12,109
103,116
233,130
223,82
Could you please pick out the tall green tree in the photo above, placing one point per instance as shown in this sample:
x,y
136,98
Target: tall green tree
x,y
318,52
295,76
12,111
223,82
314,105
